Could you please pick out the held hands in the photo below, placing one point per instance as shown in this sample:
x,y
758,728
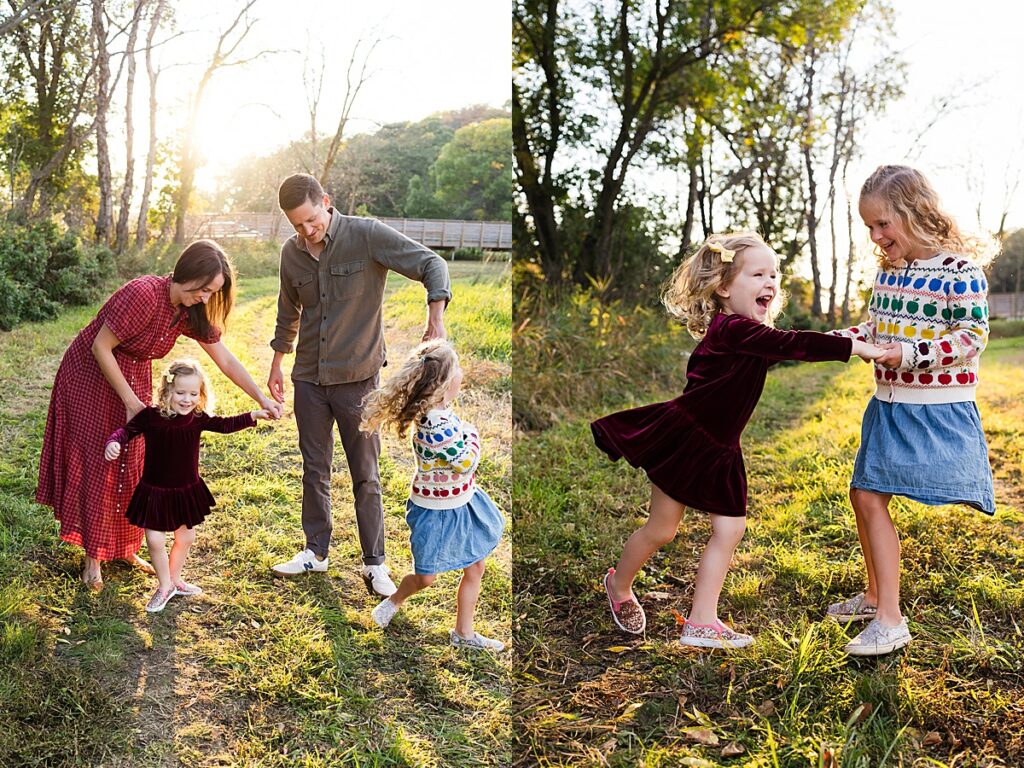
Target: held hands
x,y
131,409
889,355
274,410
892,355
112,451
264,414
865,351
435,321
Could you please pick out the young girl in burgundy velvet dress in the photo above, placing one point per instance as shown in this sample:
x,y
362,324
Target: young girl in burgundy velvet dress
x,y
171,496
726,293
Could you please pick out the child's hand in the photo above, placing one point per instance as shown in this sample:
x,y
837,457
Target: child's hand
x,y
262,414
866,352
892,355
112,451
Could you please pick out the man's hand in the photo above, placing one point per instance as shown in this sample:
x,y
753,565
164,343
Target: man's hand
x,y
275,383
435,321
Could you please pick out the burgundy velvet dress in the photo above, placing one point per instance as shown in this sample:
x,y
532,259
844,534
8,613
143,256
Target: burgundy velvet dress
x,y
690,446
171,493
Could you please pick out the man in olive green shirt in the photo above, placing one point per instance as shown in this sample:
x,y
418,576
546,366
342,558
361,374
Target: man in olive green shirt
x,y
333,273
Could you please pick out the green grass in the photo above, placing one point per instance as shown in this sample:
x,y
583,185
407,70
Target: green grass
x,y
259,671
588,695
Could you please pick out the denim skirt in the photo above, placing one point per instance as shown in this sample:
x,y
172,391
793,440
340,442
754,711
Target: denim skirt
x,y
452,539
934,454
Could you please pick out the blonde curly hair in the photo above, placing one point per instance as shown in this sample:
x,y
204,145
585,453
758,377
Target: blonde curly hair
x,y
184,368
914,202
419,385
690,296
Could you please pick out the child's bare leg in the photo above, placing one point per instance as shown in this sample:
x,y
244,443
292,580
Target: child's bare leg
x,y
884,545
469,593
871,591
183,540
411,584
659,530
726,533
157,543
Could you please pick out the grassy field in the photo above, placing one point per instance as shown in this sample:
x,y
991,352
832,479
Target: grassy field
x,y
587,695
259,671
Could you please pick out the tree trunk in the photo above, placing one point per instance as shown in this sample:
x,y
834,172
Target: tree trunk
x,y
851,259
539,196
141,232
103,215
686,236
121,237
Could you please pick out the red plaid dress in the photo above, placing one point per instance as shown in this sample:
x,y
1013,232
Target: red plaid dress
x,y
89,495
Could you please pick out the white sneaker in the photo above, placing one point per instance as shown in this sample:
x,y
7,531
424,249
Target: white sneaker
x,y
476,641
377,580
878,639
384,612
304,562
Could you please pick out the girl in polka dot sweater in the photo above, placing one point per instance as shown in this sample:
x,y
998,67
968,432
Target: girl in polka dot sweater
x,y
453,524
921,435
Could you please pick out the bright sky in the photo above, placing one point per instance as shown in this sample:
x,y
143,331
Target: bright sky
x,y
434,56
971,54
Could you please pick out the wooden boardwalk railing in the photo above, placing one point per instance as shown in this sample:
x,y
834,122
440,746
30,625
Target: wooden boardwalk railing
x,y
1009,306
433,233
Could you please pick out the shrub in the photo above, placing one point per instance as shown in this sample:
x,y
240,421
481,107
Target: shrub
x,y
42,268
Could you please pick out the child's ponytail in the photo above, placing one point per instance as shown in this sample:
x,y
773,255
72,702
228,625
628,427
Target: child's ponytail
x,y
418,386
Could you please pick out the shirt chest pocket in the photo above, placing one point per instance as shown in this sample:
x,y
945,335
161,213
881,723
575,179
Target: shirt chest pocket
x,y
348,279
308,289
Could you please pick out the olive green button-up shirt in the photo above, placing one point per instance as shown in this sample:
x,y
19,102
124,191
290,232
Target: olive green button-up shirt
x,y
336,303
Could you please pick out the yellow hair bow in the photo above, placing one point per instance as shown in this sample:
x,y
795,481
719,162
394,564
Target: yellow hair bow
x,y
169,378
726,254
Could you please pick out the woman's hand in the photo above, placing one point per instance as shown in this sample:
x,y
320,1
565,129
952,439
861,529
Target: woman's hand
x,y
134,408
263,414
112,451
272,408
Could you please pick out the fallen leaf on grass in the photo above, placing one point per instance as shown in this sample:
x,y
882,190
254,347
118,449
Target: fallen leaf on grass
x,y
657,596
619,649
703,736
732,749
861,713
931,739
828,759
255,624
766,708
608,746
66,630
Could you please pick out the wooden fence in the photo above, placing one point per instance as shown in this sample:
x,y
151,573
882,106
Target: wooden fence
x,y
1009,306
434,233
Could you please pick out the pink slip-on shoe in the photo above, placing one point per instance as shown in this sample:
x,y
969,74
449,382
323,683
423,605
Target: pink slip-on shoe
x,y
628,615
184,589
715,635
160,599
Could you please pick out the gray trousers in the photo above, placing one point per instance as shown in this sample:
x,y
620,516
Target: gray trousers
x,y
317,408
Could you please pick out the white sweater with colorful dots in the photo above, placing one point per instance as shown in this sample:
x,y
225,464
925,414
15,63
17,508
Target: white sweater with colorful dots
x,y
447,453
937,310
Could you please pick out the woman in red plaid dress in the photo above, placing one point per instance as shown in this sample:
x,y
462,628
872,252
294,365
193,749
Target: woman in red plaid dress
x,y
106,378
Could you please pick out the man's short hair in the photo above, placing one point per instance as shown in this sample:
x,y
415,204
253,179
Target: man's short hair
x,y
298,189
